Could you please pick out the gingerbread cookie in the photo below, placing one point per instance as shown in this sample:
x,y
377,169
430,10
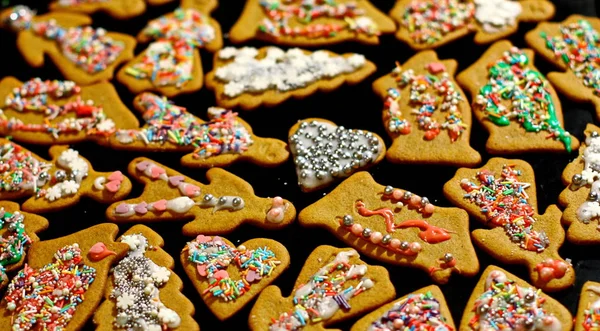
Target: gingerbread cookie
x,y
581,197
229,277
424,88
311,23
18,230
502,301
424,309
573,46
61,112
325,153
56,184
334,285
222,140
588,311
83,54
425,24
249,77
502,195
143,292
171,64
62,282
515,103
119,9
396,226
220,206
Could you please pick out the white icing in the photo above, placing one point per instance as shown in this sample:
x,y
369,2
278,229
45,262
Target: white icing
x,y
99,183
590,175
180,205
279,70
77,167
495,277
496,15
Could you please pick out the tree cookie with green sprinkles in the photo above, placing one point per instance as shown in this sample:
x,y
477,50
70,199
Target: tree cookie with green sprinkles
x,y
515,103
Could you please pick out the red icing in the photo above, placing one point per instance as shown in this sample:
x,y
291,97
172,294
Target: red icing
x,y
429,233
443,265
551,269
99,251
386,213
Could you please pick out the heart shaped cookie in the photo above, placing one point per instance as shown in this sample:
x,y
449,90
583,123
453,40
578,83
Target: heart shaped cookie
x,y
324,152
228,277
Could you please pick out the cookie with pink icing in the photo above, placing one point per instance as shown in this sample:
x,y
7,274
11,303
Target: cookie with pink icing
x,y
218,207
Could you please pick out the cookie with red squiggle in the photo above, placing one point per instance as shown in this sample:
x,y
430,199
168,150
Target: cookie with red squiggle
x,y
502,195
396,226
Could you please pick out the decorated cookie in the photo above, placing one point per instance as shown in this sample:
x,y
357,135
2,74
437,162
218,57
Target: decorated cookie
x,y
228,277
426,113
396,226
171,63
426,24
574,47
309,23
324,152
56,184
249,77
62,282
515,103
502,195
502,301
143,292
222,140
424,309
582,196
334,285
588,312
18,230
61,112
220,206
83,54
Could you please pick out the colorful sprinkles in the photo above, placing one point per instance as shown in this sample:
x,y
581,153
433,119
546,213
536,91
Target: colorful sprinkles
x,y
445,97
299,18
505,203
212,256
15,240
511,79
418,312
577,47
47,298
92,50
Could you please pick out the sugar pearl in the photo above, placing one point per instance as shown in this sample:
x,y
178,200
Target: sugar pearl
x,y
376,237
356,229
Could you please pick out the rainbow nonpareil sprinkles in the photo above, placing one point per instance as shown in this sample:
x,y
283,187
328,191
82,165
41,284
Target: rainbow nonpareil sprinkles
x,y
212,257
504,203
15,240
577,47
297,18
511,79
48,297
418,312
166,122
92,50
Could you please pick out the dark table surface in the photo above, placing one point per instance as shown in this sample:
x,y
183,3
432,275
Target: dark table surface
x,y
351,106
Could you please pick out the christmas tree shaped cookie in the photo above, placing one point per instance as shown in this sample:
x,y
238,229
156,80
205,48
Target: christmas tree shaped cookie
x,y
19,230
515,103
502,301
61,112
229,277
396,226
502,195
66,276
588,311
424,309
426,114
220,206
573,46
222,140
171,63
57,184
83,54
309,23
334,285
249,78
143,287
426,24
325,153
582,196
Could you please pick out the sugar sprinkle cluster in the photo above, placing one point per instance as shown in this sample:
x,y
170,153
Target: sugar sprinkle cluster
x,y
14,240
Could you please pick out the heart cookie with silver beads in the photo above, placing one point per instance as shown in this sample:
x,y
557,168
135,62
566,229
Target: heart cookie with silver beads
x,y
324,152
